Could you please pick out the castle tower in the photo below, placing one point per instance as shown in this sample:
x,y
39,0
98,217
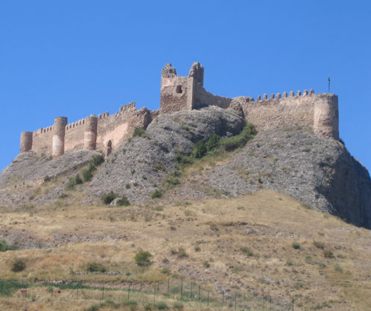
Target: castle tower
x,y
59,130
26,141
90,133
326,116
177,93
197,72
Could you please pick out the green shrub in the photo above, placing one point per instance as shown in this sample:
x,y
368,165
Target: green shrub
x,y
93,308
87,174
183,159
143,258
247,251
178,306
296,245
95,267
328,254
8,287
182,253
123,201
139,132
4,246
73,181
161,306
173,180
107,198
199,150
237,141
148,307
213,142
18,265
156,194
97,160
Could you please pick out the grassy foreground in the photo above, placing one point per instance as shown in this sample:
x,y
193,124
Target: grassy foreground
x,y
258,252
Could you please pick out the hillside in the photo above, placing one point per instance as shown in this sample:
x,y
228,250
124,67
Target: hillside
x,y
317,171
218,215
266,249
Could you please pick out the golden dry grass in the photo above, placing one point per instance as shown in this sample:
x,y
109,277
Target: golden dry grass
x,y
243,244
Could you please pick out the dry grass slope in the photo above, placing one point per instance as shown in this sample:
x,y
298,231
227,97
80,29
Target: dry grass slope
x,y
261,245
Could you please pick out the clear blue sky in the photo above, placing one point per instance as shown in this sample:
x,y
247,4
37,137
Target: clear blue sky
x,y
75,58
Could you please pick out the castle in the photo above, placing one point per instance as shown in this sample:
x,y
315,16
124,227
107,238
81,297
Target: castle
x,y
316,112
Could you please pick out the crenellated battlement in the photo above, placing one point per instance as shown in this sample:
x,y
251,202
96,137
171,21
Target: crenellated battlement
x,y
92,133
279,96
316,112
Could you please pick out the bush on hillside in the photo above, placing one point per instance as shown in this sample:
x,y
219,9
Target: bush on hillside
x,y
143,258
107,198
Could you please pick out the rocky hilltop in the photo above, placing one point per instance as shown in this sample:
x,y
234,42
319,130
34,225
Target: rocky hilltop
x,y
318,171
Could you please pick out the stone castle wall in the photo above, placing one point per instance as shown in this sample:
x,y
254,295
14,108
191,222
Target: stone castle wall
x,y
318,113
93,133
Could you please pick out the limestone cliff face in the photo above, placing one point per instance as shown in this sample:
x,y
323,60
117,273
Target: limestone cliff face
x,y
318,171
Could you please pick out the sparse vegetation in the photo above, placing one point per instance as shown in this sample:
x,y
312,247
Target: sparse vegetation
x,y
73,181
319,245
178,306
161,306
156,194
179,252
239,140
123,201
296,245
8,287
107,198
95,267
247,251
143,258
4,246
97,160
139,132
225,233
18,265
328,254
86,173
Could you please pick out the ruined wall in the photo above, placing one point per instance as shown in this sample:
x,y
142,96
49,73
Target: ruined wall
x,y
90,133
176,94
203,98
318,113
113,130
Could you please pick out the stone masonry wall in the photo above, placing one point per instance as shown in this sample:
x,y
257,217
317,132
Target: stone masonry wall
x,y
111,128
318,113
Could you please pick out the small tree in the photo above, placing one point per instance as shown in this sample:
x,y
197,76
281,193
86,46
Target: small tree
x,y
143,258
18,265
107,198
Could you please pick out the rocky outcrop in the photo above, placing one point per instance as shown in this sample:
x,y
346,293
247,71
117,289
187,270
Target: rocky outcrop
x,y
143,164
319,172
20,182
